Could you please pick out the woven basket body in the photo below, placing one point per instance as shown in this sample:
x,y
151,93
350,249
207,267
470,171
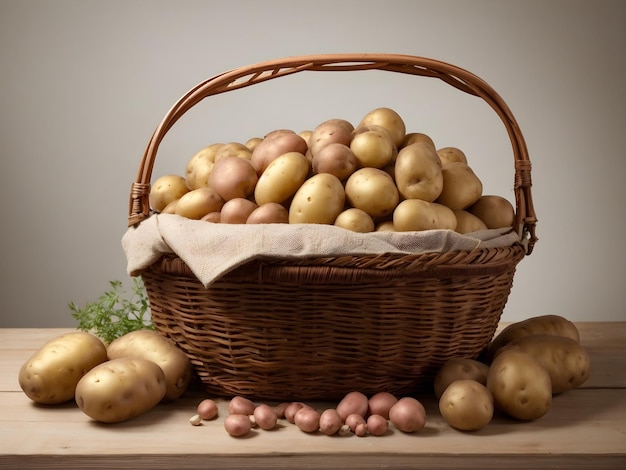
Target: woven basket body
x,y
287,329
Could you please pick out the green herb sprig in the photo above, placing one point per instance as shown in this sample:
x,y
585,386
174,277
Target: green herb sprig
x,y
115,313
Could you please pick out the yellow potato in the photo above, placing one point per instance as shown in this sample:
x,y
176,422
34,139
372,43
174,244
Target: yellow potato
x,y
120,389
373,191
468,222
385,226
356,220
373,148
418,173
319,200
282,178
466,405
199,202
233,149
153,346
252,142
390,120
200,165
51,374
520,385
451,154
306,135
415,137
461,186
495,211
565,359
417,215
166,189
542,324
459,368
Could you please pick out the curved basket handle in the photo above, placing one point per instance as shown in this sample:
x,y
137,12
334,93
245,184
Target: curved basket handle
x,y
139,207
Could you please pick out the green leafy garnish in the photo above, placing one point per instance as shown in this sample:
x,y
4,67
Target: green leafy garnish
x,y
115,313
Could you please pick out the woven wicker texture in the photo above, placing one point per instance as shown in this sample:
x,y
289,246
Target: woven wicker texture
x,y
319,328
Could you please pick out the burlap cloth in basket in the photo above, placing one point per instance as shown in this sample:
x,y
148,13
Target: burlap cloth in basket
x,y
212,250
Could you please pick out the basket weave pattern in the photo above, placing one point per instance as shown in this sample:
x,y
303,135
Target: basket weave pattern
x,y
318,328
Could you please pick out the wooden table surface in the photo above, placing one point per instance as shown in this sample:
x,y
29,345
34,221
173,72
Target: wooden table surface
x,y
585,428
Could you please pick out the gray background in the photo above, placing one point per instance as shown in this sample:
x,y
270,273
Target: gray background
x,y
84,84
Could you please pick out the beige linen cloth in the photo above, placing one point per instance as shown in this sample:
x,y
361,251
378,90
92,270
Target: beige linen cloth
x,y
212,250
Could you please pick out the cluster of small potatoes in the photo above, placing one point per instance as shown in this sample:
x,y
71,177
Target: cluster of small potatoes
x,y
355,413
373,176
524,366
110,383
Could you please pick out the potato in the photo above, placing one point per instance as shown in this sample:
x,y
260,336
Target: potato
x,y
466,222
495,211
252,142
520,385
332,131
377,425
237,211
466,405
356,220
459,368
120,389
269,213
385,226
233,177
237,425
565,359
170,208
265,417
373,191
306,135
200,165
390,120
336,159
274,145
51,374
408,415
418,173
451,154
166,189
417,215
199,202
330,422
207,409
282,178
373,148
353,403
151,345
415,137
542,324
233,149
380,403
239,405
214,217
461,186
319,200
307,419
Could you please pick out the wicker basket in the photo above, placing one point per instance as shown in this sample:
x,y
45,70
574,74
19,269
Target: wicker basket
x,y
287,329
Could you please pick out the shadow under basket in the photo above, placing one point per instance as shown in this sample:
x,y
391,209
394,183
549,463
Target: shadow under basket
x,y
320,328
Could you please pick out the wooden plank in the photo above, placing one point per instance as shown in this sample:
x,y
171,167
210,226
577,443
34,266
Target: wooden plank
x,y
584,422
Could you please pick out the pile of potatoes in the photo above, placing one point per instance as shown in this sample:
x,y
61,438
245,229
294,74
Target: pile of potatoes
x,y
110,383
368,177
355,413
523,367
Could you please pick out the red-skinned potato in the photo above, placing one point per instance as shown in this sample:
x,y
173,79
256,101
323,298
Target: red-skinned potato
x,y
336,159
274,145
377,425
380,404
237,211
408,415
353,402
239,405
233,177
332,131
307,419
265,417
269,213
330,422
237,425
207,409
